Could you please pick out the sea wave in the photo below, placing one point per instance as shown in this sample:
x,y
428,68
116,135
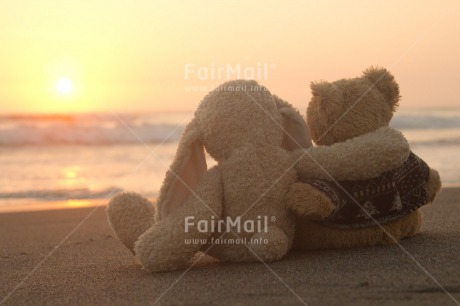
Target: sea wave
x,y
436,142
61,194
88,134
111,129
425,121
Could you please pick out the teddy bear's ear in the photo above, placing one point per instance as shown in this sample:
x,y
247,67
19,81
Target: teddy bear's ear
x,y
319,88
328,96
385,82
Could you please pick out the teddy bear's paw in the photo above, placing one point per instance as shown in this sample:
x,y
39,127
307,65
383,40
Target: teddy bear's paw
x,y
130,215
308,202
269,246
157,253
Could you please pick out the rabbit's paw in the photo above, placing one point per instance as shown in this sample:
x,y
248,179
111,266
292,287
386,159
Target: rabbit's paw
x,y
130,215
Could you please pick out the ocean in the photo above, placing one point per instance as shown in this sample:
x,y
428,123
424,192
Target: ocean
x,y
55,161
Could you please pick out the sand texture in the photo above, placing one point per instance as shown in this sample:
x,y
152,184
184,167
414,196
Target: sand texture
x,y
86,265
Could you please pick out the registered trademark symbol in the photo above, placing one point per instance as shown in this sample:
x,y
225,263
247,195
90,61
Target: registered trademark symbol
x,y
273,218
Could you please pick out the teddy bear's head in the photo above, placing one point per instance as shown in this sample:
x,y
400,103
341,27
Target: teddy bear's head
x,y
351,107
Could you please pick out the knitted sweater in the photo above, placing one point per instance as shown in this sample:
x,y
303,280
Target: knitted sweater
x,y
388,197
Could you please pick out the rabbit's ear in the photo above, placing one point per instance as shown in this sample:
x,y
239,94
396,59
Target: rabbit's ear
x,y
295,130
186,171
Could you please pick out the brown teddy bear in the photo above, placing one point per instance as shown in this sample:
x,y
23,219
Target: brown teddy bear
x,y
365,212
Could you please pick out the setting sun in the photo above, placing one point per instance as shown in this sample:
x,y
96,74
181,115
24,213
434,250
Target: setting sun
x,y
64,86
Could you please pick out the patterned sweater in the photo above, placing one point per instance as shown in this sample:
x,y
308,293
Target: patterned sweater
x,y
388,197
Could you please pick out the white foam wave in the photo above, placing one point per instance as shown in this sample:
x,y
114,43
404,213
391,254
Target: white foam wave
x,y
409,122
88,134
109,129
436,142
61,194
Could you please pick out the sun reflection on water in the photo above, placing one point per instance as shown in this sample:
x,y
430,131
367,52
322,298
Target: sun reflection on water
x,y
80,203
72,177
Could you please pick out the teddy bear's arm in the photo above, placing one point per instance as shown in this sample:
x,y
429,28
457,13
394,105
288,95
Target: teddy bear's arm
x,y
171,242
307,202
359,158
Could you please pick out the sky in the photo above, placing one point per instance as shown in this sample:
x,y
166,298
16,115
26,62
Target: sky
x,y
132,56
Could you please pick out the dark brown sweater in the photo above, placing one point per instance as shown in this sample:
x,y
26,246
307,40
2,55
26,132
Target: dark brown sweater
x,y
388,197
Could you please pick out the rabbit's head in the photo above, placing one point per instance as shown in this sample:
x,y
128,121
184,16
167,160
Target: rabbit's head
x,y
241,113
236,114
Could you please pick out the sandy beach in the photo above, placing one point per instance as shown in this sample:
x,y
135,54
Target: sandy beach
x,y
70,257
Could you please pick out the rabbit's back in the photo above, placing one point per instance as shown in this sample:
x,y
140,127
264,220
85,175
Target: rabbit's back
x,y
255,181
